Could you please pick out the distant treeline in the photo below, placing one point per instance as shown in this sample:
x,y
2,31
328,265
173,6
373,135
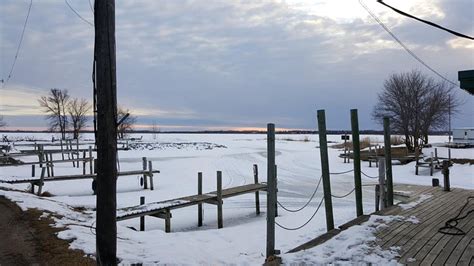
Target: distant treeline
x,y
295,132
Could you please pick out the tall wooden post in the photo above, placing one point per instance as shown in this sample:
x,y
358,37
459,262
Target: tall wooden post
x,y
220,221
106,82
257,195
383,198
323,148
356,150
142,218
271,190
199,193
388,160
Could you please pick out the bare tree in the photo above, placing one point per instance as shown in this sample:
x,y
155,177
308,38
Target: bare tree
x,y
155,129
78,109
54,105
126,121
416,104
2,122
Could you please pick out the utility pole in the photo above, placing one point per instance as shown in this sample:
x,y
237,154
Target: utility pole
x,y
104,53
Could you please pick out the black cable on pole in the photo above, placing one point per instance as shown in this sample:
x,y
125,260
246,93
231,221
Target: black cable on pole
x,y
77,14
307,203
403,45
343,196
426,21
19,46
303,225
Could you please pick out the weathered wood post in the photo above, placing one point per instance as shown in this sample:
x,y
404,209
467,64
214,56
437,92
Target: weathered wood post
x,y
447,186
271,187
62,149
51,164
323,148
431,164
91,161
436,153
417,157
356,151
150,174
276,190
33,170
142,218
220,222
106,141
199,193
84,162
46,161
377,197
257,194
449,155
383,196
77,152
388,160
41,182
145,180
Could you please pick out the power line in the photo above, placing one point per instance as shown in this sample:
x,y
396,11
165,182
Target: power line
x,y
403,45
426,21
78,15
19,46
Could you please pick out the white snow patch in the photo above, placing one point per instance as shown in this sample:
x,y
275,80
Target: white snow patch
x,y
356,245
412,204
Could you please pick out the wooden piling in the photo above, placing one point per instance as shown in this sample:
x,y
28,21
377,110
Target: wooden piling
x,y
84,162
91,161
77,152
431,164
388,160
357,170
220,222
276,190
447,186
257,194
167,221
150,174
377,197
145,181
51,164
323,148
33,170
41,182
199,193
142,218
62,149
383,196
271,187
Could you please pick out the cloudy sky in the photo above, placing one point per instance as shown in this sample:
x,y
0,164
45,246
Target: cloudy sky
x,y
218,64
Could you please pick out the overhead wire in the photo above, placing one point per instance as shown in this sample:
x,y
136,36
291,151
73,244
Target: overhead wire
x,y
426,21
403,45
19,46
78,15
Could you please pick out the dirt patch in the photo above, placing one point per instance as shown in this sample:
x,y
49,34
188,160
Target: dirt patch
x,y
27,239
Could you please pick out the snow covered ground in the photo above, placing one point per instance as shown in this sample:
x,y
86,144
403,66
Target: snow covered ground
x,y
180,157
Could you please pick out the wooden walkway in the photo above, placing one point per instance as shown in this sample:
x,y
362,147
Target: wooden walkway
x,y
421,243
163,209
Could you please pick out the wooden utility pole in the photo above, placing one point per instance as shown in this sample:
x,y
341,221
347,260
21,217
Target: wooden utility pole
x,y
388,160
271,191
105,80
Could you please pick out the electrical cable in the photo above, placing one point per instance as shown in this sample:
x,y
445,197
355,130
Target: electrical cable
x,y
374,177
19,46
307,203
78,15
345,195
303,225
341,173
426,21
403,45
452,223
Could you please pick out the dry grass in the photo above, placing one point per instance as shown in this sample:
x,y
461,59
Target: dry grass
x,y
397,140
364,143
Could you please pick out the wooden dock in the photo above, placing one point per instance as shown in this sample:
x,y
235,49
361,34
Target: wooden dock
x,y
421,243
163,209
